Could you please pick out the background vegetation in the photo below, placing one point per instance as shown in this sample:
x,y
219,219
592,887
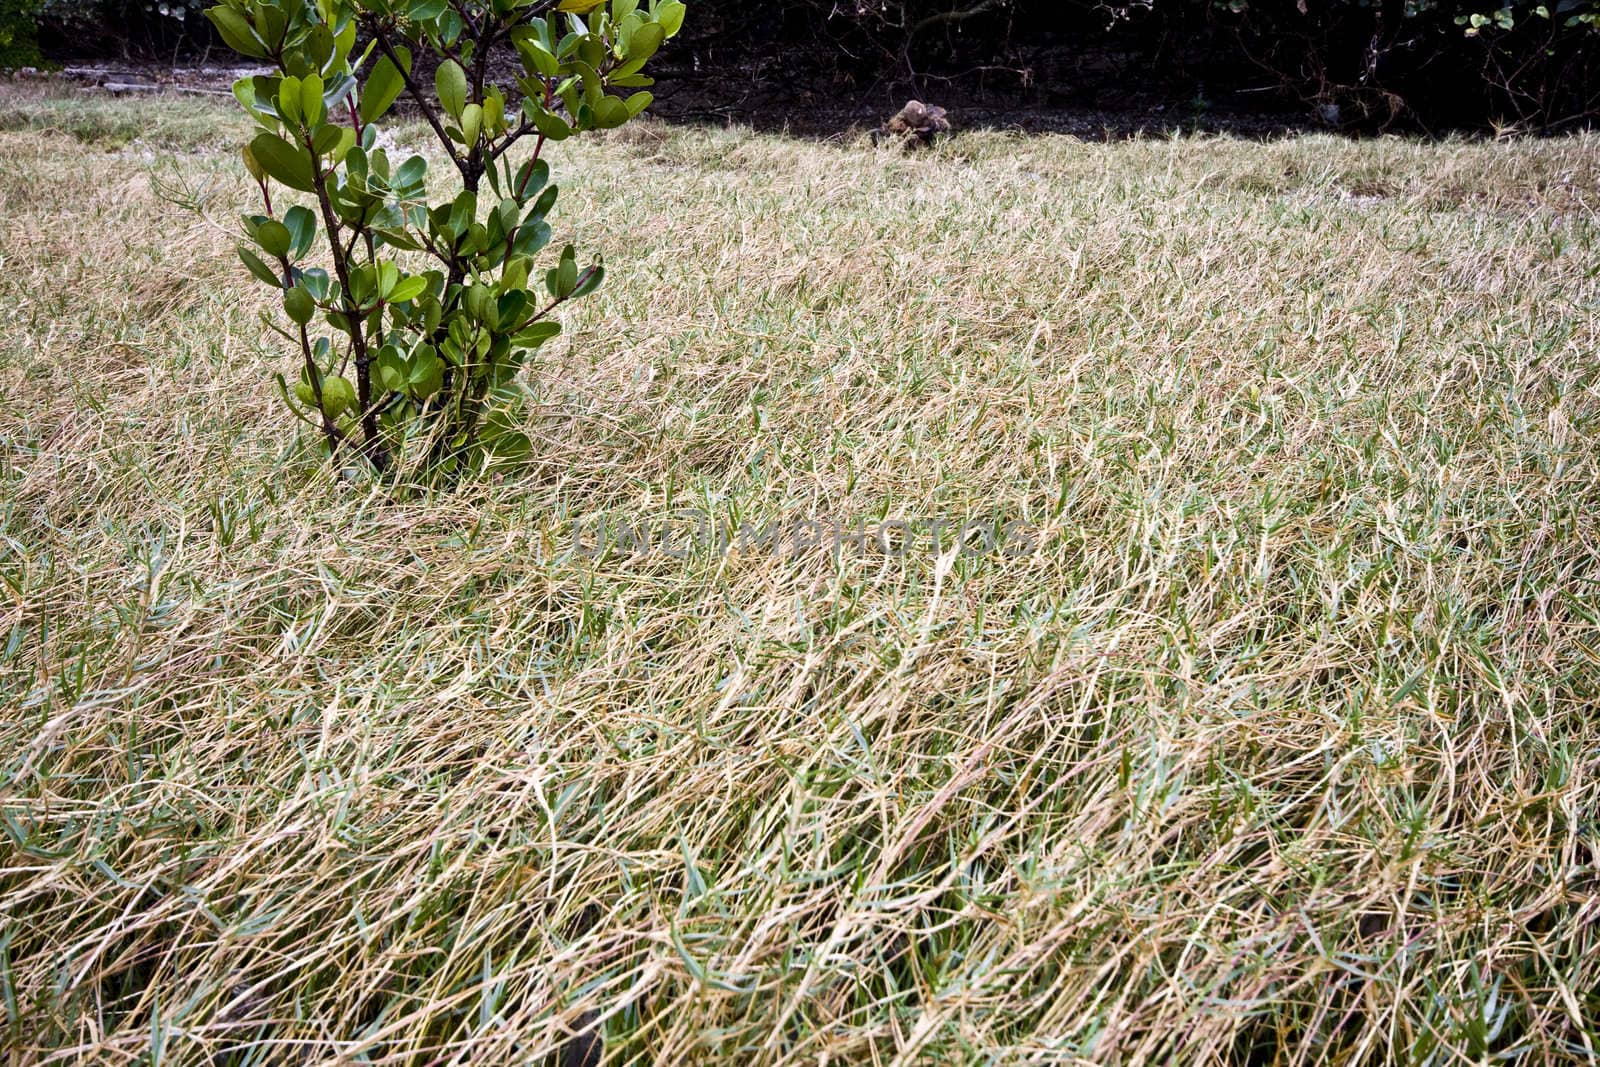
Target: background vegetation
x,y
1363,65
18,26
1418,62
1281,748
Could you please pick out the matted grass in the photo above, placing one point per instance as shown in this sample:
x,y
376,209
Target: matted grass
x,y
1281,746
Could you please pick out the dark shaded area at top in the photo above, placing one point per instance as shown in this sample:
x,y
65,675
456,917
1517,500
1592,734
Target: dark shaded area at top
x,y
1089,67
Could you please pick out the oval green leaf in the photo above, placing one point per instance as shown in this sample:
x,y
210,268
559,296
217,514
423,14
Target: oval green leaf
x,y
290,165
450,81
382,89
274,237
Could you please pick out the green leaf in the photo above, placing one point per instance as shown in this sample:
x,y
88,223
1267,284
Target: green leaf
x,y
408,178
326,141
298,303
388,276
531,237
645,41
463,209
320,44
311,106
591,281
537,59
508,445
316,280
609,112
425,10
451,83
272,24
623,32
537,334
564,278
593,87
427,372
409,289
398,239
340,89
471,124
236,32
302,227
274,237
515,274
244,91
262,272
393,371
332,143
288,164
531,177
638,102
382,89
477,302
338,395
347,141
345,40
669,16
511,306
364,285
541,207
624,70
450,27
569,95
551,125
289,98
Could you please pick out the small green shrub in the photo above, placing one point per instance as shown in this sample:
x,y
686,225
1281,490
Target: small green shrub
x,y
431,308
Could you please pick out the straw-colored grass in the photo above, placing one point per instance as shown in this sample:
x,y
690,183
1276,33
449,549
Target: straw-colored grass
x,y
1281,746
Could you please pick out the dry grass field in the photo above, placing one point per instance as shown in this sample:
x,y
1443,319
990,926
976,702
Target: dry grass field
x,y
1275,741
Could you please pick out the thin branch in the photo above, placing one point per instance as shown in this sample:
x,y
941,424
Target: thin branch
x,y
414,90
357,321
